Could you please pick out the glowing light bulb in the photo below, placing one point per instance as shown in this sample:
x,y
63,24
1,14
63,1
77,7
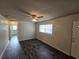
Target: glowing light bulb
x,y
34,20
78,26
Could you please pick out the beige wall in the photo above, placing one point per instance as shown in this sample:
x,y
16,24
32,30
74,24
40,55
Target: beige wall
x,y
4,37
62,33
26,30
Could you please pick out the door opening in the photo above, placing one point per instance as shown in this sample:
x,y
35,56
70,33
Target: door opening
x,y
12,29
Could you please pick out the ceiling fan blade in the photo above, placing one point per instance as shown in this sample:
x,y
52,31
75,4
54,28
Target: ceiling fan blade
x,y
24,11
33,16
40,17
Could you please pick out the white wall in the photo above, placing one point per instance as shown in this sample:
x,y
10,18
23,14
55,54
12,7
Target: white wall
x,y
62,33
4,37
26,30
75,40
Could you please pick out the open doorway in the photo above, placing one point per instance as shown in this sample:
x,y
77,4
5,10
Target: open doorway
x,y
12,29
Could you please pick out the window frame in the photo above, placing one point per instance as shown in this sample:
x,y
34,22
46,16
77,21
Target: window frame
x,y
46,32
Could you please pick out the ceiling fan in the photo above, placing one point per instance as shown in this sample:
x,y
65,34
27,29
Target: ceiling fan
x,y
33,16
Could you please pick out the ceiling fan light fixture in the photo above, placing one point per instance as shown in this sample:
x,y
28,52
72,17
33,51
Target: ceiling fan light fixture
x,y
34,20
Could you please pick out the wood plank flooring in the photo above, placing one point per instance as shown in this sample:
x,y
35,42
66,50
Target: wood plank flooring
x,y
32,49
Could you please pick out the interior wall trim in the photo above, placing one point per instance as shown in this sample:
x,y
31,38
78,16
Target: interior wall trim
x,y
64,15
55,48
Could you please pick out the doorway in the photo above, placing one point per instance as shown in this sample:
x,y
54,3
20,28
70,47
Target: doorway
x,y
12,29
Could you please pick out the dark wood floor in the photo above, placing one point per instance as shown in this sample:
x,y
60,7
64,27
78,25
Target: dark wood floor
x,y
31,49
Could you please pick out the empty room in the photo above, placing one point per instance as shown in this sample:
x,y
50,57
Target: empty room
x,y
39,29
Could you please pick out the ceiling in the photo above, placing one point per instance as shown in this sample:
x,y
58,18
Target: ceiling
x,y
48,8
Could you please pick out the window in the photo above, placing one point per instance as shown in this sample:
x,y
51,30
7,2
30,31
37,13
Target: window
x,y
46,28
14,27
42,28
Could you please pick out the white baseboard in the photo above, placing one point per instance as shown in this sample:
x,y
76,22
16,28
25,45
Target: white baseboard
x,y
57,48
4,50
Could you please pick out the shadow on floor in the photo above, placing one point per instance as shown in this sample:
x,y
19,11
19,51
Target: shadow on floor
x,y
31,49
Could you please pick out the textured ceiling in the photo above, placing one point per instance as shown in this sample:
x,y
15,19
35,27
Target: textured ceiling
x,y
47,8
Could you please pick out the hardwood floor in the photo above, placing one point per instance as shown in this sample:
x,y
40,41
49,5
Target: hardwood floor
x,y
14,50
32,49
